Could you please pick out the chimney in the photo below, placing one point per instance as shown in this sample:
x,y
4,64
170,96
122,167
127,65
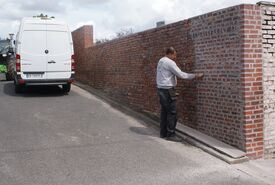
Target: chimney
x,y
160,23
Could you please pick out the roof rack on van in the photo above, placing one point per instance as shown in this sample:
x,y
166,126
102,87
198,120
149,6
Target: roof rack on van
x,y
46,18
43,17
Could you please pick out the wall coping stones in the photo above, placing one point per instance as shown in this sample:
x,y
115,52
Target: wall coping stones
x,y
268,3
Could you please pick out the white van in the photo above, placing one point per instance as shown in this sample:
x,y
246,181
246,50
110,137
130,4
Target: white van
x,y
44,54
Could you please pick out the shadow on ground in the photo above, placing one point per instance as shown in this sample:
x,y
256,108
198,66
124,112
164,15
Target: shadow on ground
x,y
33,91
147,131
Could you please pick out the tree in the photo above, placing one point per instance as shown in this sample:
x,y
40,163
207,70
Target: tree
x,y
99,41
124,32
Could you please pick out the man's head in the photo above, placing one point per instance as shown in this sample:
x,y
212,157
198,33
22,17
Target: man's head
x,y
171,53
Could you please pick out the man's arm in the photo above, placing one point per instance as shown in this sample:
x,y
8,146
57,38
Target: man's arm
x,y
176,71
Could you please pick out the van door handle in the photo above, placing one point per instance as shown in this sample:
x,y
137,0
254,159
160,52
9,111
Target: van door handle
x,y
51,62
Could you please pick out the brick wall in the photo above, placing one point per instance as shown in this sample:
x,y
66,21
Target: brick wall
x,y
226,45
268,31
216,44
251,77
82,39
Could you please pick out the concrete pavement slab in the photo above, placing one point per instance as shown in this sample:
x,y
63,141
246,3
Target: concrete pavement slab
x,y
49,138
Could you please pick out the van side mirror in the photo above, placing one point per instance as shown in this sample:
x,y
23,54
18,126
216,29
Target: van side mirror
x,y
14,42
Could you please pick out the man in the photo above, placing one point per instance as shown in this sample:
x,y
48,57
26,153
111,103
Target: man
x,y
167,73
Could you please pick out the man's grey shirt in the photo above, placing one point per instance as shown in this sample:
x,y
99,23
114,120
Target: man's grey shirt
x,y
167,73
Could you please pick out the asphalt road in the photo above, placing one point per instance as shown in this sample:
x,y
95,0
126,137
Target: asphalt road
x,y
47,138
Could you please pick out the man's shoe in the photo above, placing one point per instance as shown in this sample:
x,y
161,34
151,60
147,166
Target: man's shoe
x,y
174,139
162,136
171,134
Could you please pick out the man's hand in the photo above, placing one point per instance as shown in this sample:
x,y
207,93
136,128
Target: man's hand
x,y
199,76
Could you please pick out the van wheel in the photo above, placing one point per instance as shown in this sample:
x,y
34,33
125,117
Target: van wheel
x,y
8,77
66,88
18,88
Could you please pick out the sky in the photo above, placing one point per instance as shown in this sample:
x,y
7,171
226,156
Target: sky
x,y
108,17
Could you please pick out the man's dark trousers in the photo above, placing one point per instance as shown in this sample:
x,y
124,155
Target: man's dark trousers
x,y
168,111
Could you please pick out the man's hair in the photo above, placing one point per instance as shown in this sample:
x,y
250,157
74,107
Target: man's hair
x,y
170,50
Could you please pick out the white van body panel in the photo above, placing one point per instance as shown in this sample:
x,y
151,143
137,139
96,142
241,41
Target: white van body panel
x,y
45,47
60,52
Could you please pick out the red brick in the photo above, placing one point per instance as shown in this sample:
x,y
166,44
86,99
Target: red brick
x,y
225,104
